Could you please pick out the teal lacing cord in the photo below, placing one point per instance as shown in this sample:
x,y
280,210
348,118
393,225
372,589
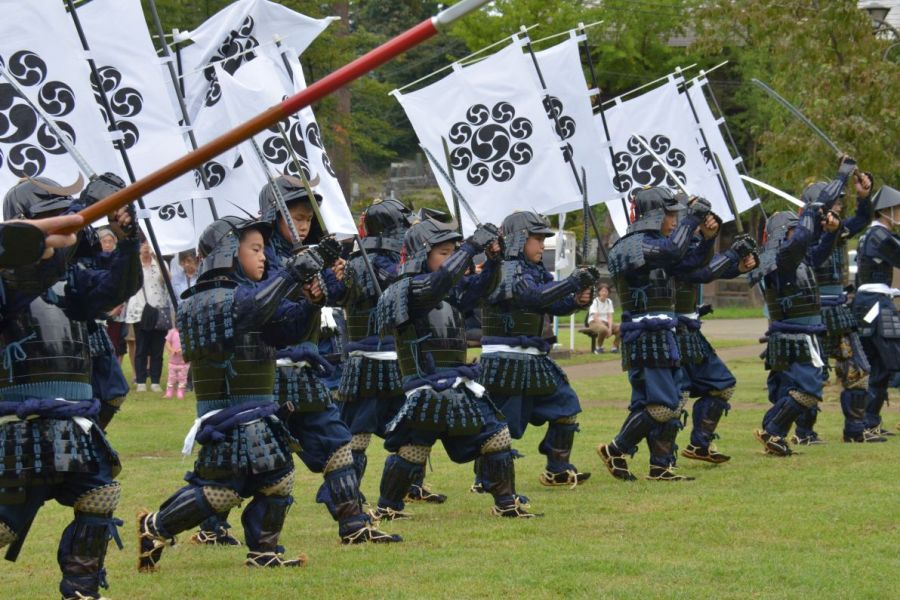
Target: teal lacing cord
x,y
414,346
639,296
15,353
229,371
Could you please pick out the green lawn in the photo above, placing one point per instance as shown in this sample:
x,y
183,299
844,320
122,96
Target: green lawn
x,y
825,524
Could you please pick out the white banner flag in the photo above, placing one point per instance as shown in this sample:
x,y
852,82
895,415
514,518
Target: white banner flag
x,y
49,64
662,117
569,99
742,199
503,151
236,35
136,86
261,83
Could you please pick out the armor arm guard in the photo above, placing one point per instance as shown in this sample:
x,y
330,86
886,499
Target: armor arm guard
x,y
859,221
887,246
20,244
700,253
541,295
259,303
720,267
429,289
292,323
334,288
792,251
91,292
664,251
473,288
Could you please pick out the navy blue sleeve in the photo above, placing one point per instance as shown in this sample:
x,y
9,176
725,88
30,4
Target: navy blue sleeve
x,y
821,250
861,219
91,292
472,289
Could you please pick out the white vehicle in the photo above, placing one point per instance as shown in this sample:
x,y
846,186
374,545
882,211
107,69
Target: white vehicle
x,y
851,260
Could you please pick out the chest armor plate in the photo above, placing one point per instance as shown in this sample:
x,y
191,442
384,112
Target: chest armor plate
x,y
495,321
432,341
794,298
44,346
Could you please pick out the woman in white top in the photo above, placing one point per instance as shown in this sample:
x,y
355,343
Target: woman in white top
x,y
149,344
600,319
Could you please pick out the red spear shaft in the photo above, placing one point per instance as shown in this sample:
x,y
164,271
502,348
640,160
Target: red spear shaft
x,y
349,72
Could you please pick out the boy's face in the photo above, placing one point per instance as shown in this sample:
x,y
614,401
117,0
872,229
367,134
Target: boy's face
x,y
439,254
603,293
669,223
534,248
302,215
252,256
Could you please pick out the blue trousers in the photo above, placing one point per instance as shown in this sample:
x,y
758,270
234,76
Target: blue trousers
x,y
370,415
460,448
655,386
802,377
521,411
699,380
320,435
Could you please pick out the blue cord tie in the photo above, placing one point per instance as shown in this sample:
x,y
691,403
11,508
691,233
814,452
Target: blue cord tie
x,y
229,371
639,296
15,353
414,346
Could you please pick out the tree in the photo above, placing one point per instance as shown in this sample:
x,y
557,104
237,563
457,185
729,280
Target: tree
x,y
823,57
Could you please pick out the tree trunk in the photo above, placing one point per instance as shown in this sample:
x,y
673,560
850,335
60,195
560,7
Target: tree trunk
x,y
341,151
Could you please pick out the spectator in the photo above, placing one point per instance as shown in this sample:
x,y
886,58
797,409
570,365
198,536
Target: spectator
x,y
178,369
187,265
600,319
149,342
115,324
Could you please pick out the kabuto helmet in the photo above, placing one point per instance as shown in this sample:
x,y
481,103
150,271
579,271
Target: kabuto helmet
x,y
650,208
219,243
385,224
105,184
420,239
292,190
886,197
778,226
813,191
517,227
37,197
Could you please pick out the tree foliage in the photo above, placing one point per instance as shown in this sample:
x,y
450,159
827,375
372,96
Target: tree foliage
x,y
823,57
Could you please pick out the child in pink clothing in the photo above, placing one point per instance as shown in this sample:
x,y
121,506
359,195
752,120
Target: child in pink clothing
x,y
178,369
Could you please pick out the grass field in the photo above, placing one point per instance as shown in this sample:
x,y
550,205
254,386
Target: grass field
x,y
824,524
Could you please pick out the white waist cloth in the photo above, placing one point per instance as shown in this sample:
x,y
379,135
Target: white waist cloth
x,y
694,315
878,288
474,387
514,349
82,422
286,362
814,352
191,436
379,355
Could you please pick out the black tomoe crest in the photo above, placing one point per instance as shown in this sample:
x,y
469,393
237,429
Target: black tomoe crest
x,y
232,53
125,102
490,143
637,169
25,140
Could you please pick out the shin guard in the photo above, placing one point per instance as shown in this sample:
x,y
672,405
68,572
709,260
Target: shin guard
x,y
83,545
399,474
